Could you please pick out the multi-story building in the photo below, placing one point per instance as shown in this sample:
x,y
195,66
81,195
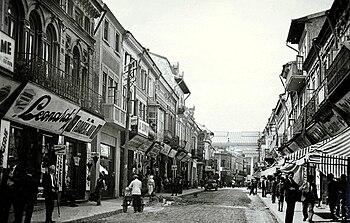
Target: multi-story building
x,y
316,97
51,111
109,57
245,143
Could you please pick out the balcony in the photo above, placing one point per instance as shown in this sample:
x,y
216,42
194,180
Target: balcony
x,y
339,70
30,67
114,114
293,73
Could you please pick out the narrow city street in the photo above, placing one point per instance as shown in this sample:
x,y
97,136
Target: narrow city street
x,y
224,205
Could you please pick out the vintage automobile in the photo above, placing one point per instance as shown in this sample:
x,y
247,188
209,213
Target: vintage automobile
x,y
210,184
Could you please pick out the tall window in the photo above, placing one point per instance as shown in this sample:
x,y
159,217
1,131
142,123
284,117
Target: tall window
x,y
31,38
87,25
104,86
76,68
105,30
78,16
117,39
12,21
70,7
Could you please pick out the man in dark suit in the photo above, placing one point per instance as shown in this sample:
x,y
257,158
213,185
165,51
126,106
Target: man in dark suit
x,y
50,192
291,195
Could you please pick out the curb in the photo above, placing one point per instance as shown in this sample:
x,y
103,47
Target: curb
x,y
272,212
97,216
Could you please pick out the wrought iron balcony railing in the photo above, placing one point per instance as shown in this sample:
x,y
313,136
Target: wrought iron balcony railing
x,y
31,67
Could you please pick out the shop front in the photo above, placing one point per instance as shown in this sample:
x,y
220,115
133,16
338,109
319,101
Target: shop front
x,y
48,130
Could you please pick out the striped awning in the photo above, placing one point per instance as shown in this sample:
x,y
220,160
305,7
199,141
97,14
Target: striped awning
x,y
338,146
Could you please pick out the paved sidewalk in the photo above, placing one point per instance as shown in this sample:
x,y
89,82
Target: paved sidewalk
x,y
89,210
321,212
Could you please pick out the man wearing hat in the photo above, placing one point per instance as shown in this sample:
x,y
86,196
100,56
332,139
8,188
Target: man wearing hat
x,y
135,187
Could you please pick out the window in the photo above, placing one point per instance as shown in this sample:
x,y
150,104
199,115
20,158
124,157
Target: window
x,y
78,16
13,21
31,38
70,7
76,67
105,30
117,39
87,24
104,86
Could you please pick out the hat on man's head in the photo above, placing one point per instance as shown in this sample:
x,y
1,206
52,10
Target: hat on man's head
x,y
135,176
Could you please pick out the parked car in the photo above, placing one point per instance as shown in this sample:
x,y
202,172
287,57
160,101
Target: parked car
x,y
210,184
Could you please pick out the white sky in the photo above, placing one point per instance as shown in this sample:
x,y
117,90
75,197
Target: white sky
x,y
231,51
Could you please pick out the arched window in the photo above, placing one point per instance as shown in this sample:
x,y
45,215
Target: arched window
x,y
15,24
32,40
49,48
76,67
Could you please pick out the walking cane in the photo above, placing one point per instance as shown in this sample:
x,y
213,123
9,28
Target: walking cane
x,y
58,206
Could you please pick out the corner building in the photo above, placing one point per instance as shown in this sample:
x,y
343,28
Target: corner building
x,y
50,109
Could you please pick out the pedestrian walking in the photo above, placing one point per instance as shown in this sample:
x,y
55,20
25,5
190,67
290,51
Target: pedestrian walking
x,y
253,187
291,193
100,187
30,192
175,186
342,195
308,198
263,186
151,186
273,189
332,192
136,186
280,193
50,192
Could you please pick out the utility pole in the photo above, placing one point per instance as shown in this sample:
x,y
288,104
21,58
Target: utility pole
x,y
127,124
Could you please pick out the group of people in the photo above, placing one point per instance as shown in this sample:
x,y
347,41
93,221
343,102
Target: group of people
x,y
19,189
285,189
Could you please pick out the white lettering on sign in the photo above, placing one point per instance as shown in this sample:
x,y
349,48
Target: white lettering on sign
x,y
6,51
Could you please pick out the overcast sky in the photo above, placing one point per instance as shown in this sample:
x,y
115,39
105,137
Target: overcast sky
x,y
231,51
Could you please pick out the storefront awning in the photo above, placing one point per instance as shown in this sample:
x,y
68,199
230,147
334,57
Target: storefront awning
x,y
338,146
138,142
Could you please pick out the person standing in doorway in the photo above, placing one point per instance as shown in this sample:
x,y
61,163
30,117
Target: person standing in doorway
x,y
136,186
291,193
30,192
50,192
100,187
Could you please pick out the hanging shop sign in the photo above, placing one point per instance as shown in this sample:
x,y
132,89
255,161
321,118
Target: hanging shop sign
x,y
186,158
43,110
172,153
165,149
7,87
344,103
332,122
142,126
154,150
317,133
7,51
60,149
4,142
138,142
59,171
180,155
84,126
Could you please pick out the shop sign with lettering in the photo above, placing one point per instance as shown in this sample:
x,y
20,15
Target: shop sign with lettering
x,y
7,51
84,126
154,151
7,87
143,128
165,149
172,153
43,110
4,142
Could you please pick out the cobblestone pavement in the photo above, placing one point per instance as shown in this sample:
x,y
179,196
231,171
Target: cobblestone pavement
x,y
224,205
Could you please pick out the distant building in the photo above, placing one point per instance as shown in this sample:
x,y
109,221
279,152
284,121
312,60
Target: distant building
x,y
235,145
